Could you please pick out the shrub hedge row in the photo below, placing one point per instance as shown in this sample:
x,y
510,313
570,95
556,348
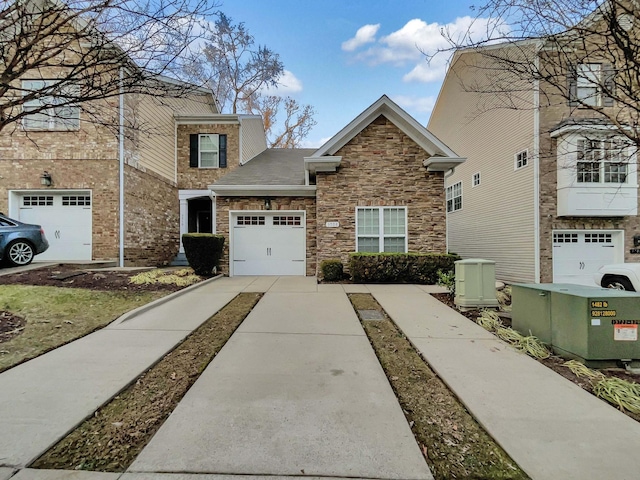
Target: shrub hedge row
x,y
421,268
203,251
332,270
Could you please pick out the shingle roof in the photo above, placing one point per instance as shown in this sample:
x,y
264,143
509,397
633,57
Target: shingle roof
x,y
274,166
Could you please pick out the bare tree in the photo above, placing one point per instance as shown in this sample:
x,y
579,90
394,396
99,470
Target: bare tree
x,y
584,54
60,56
238,71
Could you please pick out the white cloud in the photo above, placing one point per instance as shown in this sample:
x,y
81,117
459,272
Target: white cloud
x,y
364,35
418,40
287,85
416,104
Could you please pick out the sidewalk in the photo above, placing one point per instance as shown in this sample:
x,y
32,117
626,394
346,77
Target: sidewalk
x,y
43,399
296,391
549,426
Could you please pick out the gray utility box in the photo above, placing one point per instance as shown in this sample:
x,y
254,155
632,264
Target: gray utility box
x,y
597,325
475,283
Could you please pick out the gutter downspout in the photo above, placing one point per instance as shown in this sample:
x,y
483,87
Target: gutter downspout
x,y
121,166
536,172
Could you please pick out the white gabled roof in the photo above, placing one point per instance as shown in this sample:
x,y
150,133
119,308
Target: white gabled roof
x,y
401,119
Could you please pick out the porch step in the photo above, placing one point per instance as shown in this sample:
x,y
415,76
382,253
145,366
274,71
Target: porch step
x,y
180,261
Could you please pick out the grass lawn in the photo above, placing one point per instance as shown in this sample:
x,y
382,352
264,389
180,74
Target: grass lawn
x,y
55,316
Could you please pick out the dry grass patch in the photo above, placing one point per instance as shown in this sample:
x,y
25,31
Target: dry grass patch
x,y
54,316
453,443
112,438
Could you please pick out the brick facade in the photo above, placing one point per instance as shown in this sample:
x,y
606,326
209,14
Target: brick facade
x,y
381,166
151,219
308,204
200,178
551,115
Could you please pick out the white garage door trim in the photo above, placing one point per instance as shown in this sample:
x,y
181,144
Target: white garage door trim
x,y
66,216
578,254
295,262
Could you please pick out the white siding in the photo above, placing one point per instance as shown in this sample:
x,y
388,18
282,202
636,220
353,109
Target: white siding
x,y
253,138
497,217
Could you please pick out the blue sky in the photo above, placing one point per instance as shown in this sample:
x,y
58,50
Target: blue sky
x,y
342,55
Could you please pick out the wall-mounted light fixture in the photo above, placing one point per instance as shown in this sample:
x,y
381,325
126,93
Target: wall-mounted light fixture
x,y
45,179
267,203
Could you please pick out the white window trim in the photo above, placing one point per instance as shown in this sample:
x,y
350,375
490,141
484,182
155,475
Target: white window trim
x,y
473,180
602,161
452,188
53,125
200,150
515,159
381,235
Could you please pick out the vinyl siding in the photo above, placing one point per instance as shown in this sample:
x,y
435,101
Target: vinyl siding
x,y
156,137
253,138
496,221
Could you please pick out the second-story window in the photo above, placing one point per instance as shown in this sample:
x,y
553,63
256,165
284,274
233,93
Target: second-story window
x,y
588,89
602,161
52,107
454,197
208,150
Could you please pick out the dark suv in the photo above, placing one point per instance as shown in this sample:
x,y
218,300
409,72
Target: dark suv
x,y
20,242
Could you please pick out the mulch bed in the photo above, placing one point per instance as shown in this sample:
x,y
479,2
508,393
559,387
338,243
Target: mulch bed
x,y
71,276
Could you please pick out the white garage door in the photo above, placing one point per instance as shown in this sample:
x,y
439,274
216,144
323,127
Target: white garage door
x,y
577,255
268,244
66,219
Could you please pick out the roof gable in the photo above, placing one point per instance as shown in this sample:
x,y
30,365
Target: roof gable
x,y
396,115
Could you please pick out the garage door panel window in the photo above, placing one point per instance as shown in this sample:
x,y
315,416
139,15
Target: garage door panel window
x,y
76,200
381,229
37,201
295,220
565,238
245,220
598,238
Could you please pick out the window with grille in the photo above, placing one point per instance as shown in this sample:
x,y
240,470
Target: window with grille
x,y
588,84
476,179
454,197
292,220
250,220
381,229
602,161
37,201
53,106
521,159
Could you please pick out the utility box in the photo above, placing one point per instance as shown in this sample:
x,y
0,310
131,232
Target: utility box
x,y
596,325
475,283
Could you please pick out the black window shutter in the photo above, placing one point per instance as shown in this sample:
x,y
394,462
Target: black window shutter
x,y
222,145
608,82
572,85
194,139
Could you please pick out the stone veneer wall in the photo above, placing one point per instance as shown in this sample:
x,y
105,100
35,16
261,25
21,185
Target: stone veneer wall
x,y
381,166
99,176
225,204
151,219
550,116
200,178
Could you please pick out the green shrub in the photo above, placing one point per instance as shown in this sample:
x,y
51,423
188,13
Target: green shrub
x,y
421,268
203,251
332,270
447,279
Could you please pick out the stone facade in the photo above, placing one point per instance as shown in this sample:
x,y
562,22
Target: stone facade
x,y
151,219
308,204
200,178
381,166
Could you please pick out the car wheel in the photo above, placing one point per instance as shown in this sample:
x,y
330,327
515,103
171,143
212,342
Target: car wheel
x,y
618,283
20,253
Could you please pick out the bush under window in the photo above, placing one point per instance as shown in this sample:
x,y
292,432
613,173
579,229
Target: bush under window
x,y
420,268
